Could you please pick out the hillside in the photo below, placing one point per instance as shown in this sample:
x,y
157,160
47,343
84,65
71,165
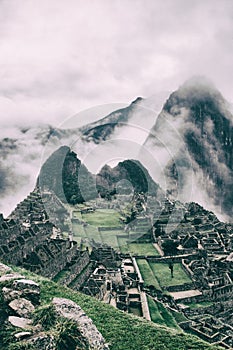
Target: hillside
x,y
120,330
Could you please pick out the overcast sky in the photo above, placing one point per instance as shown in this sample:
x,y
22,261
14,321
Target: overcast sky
x,y
58,57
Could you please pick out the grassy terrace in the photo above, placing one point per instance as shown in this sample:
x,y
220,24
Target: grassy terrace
x,y
110,237
103,218
147,274
122,331
146,249
163,275
158,274
199,305
159,314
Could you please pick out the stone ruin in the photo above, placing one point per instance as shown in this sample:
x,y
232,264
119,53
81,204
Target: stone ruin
x,y
27,239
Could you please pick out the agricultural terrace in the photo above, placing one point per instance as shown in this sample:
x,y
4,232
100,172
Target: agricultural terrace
x,y
102,218
141,249
159,275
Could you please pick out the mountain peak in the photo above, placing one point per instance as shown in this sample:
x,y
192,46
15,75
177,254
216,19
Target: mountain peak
x,y
195,91
198,81
138,100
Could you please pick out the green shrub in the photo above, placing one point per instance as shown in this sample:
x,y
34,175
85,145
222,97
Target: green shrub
x,y
46,316
68,336
21,346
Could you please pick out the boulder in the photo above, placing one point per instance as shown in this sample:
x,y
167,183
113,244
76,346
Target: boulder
x,y
19,322
43,341
70,310
10,294
23,284
4,269
22,307
22,335
10,277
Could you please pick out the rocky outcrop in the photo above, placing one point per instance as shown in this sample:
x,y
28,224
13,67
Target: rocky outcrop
x,y
4,269
20,299
70,310
22,307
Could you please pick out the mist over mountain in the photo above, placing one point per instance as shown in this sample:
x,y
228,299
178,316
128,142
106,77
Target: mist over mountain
x,y
184,141
192,140
24,148
134,114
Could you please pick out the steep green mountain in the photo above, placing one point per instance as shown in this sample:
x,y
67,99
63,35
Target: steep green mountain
x,y
121,331
129,175
67,177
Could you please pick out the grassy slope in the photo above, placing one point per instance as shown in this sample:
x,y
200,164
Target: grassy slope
x,y
121,330
159,314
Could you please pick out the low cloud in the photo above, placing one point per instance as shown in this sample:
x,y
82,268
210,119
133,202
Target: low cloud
x,y
60,57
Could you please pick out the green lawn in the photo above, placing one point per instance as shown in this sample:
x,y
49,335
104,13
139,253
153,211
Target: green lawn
x,y
159,314
163,275
159,275
145,249
200,304
110,237
122,244
147,274
103,218
93,233
77,214
78,230
142,249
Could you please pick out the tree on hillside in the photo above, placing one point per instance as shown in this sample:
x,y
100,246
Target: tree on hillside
x,y
170,247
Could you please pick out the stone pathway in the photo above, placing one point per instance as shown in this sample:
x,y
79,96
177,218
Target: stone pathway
x,y
145,307
185,294
157,247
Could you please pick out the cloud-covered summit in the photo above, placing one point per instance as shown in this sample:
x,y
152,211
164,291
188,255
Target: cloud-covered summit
x,y
192,141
